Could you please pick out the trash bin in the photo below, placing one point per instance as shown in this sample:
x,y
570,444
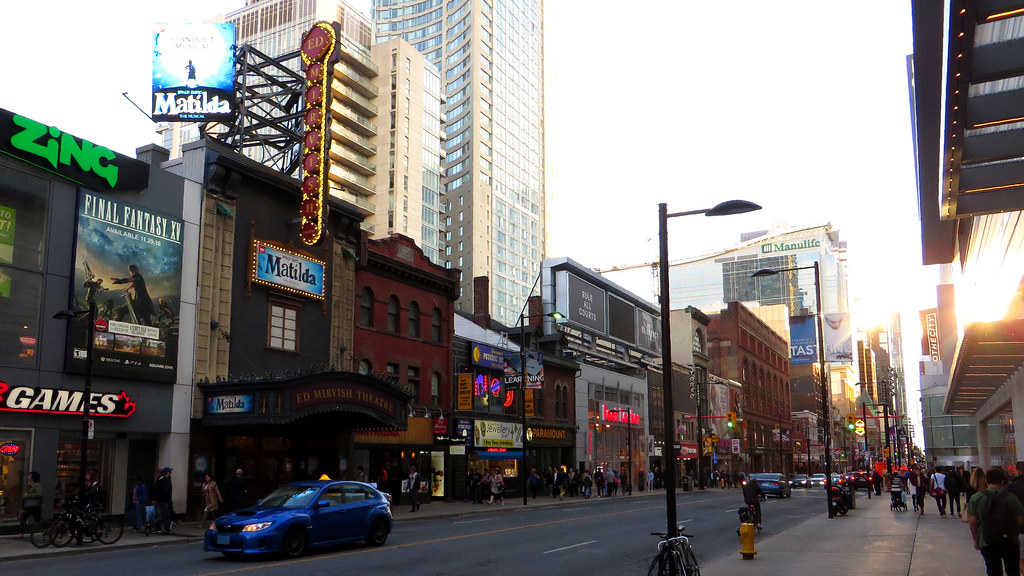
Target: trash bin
x,y
687,482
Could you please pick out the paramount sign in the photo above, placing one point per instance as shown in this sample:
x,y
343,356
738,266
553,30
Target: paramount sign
x,y
50,401
785,247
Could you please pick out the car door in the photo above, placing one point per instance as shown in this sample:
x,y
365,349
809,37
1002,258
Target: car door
x,y
358,510
327,521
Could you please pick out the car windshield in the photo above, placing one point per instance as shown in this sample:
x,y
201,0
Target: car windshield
x,y
290,497
800,477
818,476
770,477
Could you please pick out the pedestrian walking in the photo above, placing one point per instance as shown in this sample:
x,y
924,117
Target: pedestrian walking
x,y
235,491
587,482
922,485
140,499
477,479
953,490
31,502
599,483
534,482
497,489
212,500
995,516
162,489
938,490
414,488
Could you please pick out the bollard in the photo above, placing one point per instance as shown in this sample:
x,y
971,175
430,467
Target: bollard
x,y
747,541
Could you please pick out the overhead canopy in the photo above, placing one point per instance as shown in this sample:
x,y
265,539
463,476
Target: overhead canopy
x,y
986,358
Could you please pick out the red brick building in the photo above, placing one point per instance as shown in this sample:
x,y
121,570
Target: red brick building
x,y
747,350
403,324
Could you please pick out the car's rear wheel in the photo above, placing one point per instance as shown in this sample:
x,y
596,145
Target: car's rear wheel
x,y
294,542
378,533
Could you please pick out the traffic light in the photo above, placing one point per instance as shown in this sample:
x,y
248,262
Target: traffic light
x,y
851,421
730,419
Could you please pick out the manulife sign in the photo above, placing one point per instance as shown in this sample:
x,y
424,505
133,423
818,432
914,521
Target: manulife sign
x,y
786,246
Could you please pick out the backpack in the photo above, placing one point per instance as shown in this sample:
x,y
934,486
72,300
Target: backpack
x,y
998,520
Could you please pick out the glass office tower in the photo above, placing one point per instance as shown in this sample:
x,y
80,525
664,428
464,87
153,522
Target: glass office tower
x,y
490,56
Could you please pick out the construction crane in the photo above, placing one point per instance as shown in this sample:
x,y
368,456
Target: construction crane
x,y
655,278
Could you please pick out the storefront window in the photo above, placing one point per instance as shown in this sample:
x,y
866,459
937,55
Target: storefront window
x,y
15,459
69,465
23,217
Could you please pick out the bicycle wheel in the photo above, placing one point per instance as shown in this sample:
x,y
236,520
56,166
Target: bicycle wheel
x,y
61,533
109,529
690,566
42,534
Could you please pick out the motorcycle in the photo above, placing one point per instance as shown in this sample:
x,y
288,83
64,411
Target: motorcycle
x,y
838,501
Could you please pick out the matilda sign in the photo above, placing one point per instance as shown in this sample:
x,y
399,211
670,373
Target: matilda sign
x,y
286,270
86,164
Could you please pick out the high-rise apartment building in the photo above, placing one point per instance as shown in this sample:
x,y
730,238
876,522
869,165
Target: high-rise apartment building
x,y
490,56
409,140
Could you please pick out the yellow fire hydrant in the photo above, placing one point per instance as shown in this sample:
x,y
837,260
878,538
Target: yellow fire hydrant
x,y
747,541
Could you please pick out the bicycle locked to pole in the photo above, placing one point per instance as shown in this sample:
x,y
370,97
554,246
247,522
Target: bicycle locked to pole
x,y
62,529
675,555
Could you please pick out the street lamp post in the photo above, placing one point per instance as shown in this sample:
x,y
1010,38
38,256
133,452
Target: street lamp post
x,y
523,474
87,390
826,394
669,451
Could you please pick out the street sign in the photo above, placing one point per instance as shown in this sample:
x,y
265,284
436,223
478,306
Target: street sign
x,y
858,427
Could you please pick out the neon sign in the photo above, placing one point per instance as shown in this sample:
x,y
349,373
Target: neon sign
x,y
318,54
613,415
9,449
486,389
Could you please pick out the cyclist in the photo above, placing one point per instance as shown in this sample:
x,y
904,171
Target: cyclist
x,y
752,496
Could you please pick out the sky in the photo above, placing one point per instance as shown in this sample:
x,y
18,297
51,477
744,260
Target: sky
x,y
801,107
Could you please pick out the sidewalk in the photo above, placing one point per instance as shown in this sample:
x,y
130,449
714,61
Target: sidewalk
x,y
870,538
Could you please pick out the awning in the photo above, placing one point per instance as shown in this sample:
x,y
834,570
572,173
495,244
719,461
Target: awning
x,y
986,357
510,455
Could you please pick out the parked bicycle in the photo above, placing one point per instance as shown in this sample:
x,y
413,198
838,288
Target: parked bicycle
x,y
675,556
67,526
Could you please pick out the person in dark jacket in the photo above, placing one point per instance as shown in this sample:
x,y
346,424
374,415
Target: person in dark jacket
x,y
752,495
234,492
162,500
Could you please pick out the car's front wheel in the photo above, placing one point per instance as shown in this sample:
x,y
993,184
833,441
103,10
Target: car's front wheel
x,y
294,542
378,533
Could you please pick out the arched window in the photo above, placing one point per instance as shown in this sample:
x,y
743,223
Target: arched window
x,y
365,367
414,320
435,326
698,341
435,389
393,314
558,401
366,308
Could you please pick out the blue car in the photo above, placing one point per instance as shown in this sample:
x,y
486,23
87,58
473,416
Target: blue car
x,y
303,515
772,483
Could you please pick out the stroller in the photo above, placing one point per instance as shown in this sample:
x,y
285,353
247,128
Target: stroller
x,y
899,502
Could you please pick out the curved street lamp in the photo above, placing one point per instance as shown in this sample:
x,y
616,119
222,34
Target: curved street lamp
x,y
90,313
523,475
727,208
826,394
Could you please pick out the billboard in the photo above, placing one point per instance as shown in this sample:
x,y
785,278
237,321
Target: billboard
x,y
127,261
838,338
194,72
803,341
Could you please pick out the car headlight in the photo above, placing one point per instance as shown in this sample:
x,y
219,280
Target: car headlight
x,y
257,526
213,526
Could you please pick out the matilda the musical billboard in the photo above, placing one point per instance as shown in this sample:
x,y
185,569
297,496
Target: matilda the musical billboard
x,y
194,72
127,261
